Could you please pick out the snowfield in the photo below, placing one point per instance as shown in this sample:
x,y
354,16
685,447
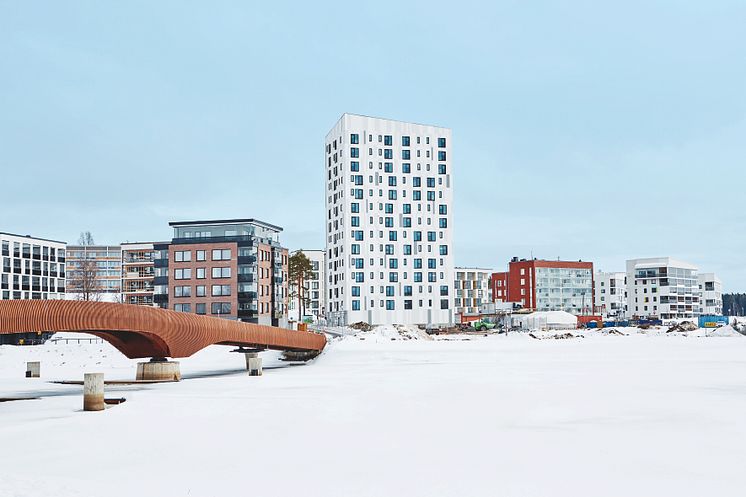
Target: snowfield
x,y
391,412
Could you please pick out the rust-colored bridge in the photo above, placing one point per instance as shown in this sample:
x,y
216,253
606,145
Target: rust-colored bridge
x,y
139,331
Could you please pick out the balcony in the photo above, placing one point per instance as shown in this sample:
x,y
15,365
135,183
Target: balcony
x,y
247,295
160,263
245,278
160,280
160,298
247,259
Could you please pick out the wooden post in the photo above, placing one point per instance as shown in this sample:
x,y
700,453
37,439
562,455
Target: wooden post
x,y
93,392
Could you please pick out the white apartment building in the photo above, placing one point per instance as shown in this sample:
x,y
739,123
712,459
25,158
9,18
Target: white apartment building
x,y
314,289
471,290
388,222
711,294
662,287
32,268
611,294
108,275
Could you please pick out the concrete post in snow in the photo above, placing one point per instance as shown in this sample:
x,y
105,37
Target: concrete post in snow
x,y
33,369
93,392
253,363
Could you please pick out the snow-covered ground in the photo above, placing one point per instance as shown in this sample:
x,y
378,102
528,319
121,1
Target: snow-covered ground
x,y
391,413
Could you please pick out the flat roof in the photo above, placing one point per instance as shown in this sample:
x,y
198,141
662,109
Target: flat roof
x,y
394,120
224,221
32,237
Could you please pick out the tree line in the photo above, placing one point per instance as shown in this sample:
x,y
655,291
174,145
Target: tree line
x,y
734,304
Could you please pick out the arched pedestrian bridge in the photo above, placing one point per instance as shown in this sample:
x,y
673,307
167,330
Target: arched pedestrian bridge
x,y
140,332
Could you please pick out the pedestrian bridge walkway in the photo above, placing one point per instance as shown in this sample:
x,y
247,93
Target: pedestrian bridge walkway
x,y
139,331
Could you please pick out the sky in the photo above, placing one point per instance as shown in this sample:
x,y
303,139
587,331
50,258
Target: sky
x,y
599,131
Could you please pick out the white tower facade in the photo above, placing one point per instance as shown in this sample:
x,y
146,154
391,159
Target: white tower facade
x,y
389,251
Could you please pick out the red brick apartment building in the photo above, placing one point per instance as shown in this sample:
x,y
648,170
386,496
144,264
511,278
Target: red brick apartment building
x,y
234,269
546,285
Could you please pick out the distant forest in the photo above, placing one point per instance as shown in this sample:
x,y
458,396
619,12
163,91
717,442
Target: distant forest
x,y
734,304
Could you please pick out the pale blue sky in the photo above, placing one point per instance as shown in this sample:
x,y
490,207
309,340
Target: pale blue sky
x,y
581,129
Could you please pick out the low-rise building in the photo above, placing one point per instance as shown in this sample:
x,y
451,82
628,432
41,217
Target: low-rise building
x,y
233,268
711,294
314,291
138,273
32,268
547,285
662,287
610,294
471,290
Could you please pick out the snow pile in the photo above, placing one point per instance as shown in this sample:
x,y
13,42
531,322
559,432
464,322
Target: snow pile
x,y
392,333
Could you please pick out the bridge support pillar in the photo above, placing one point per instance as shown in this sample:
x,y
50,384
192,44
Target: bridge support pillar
x,y
253,363
93,392
33,369
158,369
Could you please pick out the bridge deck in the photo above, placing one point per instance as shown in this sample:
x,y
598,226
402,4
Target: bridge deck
x,y
139,331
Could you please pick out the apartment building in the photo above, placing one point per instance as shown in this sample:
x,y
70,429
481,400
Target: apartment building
x,y
32,268
547,285
388,222
314,290
711,294
472,289
233,268
108,271
662,287
611,294
138,273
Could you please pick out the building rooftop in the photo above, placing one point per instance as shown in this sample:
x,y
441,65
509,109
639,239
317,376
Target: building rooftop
x,y
32,237
217,222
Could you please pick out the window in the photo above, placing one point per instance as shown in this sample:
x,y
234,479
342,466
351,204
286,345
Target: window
x,y
392,180
221,290
392,236
444,304
404,141
182,274
201,273
389,305
406,168
389,208
388,153
389,291
443,222
443,209
354,152
444,250
354,166
406,222
355,207
417,195
431,236
355,221
418,277
201,308
220,308
221,255
393,264
355,305
388,140
443,290
182,291
393,277
408,305
431,182
388,167
201,290
441,169
221,272
201,255
405,155
183,307
441,155
183,255
407,290
416,182
441,142
418,263
354,138
407,250
355,291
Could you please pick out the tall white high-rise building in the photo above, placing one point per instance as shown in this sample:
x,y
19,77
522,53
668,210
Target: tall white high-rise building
x,y
388,222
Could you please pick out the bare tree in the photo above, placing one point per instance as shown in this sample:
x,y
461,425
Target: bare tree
x,y
83,278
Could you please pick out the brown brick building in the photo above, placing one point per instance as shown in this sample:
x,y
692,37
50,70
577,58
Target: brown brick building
x,y
231,268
